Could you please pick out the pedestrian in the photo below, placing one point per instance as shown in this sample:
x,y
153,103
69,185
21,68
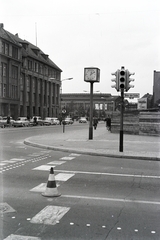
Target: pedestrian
x,y
108,123
60,119
8,121
35,121
95,122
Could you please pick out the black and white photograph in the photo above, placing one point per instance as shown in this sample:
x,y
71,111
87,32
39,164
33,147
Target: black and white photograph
x,y
79,120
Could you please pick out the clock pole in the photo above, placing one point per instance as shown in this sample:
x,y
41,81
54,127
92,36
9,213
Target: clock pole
x,y
91,74
91,112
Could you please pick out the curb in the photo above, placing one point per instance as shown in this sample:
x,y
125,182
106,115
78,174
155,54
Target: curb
x,y
88,152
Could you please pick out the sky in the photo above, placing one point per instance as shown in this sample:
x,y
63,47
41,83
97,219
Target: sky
x,y
106,34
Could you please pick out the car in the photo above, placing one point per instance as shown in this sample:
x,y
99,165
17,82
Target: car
x,y
82,120
21,122
51,121
47,121
55,121
11,120
67,121
3,122
36,120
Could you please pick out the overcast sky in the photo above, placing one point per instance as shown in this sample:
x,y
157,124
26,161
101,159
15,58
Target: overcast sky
x,y
106,34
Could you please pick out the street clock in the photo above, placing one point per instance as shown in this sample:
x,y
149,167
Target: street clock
x,y
91,74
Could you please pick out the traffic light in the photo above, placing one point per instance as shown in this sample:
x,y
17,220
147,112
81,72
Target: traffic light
x,y
122,79
116,80
128,80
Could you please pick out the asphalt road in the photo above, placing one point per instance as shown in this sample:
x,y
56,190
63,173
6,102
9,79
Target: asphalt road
x,y
101,198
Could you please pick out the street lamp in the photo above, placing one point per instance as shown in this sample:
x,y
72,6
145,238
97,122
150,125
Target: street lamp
x,y
63,112
65,79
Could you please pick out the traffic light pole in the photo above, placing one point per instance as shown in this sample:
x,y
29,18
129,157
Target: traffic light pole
x,y
121,122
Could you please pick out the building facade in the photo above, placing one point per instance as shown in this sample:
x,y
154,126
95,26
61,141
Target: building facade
x,y
78,104
145,102
29,81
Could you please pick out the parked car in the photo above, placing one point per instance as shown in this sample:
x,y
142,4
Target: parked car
x,y
56,121
51,121
11,120
47,121
36,120
3,122
82,120
21,122
67,121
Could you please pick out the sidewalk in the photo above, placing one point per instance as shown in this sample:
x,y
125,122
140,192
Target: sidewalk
x,y
103,143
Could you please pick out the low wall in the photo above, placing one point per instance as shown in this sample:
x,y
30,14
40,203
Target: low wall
x,y
149,123
142,123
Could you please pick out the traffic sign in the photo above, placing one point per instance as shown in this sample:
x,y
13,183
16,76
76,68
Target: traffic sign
x,y
131,95
63,110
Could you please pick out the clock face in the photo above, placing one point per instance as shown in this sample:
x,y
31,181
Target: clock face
x,y
90,74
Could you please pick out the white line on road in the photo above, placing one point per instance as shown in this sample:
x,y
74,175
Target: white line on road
x,y
112,199
111,174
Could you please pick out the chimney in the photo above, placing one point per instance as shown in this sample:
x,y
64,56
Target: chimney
x,y
1,25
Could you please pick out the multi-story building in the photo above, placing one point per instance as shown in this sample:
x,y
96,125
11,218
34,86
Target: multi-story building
x,y
78,104
29,80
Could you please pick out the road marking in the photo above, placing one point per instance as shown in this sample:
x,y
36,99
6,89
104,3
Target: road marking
x,y
111,174
75,154
6,208
41,187
3,163
112,199
21,147
17,159
50,215
43,167
56,162
67,158
20,237
63,176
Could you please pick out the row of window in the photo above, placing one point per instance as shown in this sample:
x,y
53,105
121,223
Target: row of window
x,y
6,50
28,97
41,85
13,91
14,73
40,68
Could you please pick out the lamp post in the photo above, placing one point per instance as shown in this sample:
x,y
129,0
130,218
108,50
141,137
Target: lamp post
x,y
63,112
65,79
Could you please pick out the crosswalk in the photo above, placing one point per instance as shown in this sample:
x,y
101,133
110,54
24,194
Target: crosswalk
x,y
9,164
50,215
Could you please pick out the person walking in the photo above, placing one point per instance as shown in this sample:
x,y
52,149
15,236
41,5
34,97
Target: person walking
x,y
8,121
95,122
108,123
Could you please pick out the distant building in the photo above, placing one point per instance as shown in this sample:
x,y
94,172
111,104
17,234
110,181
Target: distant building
x,y
145,102
29,80
156,88
78,104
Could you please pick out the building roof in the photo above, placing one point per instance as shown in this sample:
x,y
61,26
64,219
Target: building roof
x,y
28,49
147,95
98,96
